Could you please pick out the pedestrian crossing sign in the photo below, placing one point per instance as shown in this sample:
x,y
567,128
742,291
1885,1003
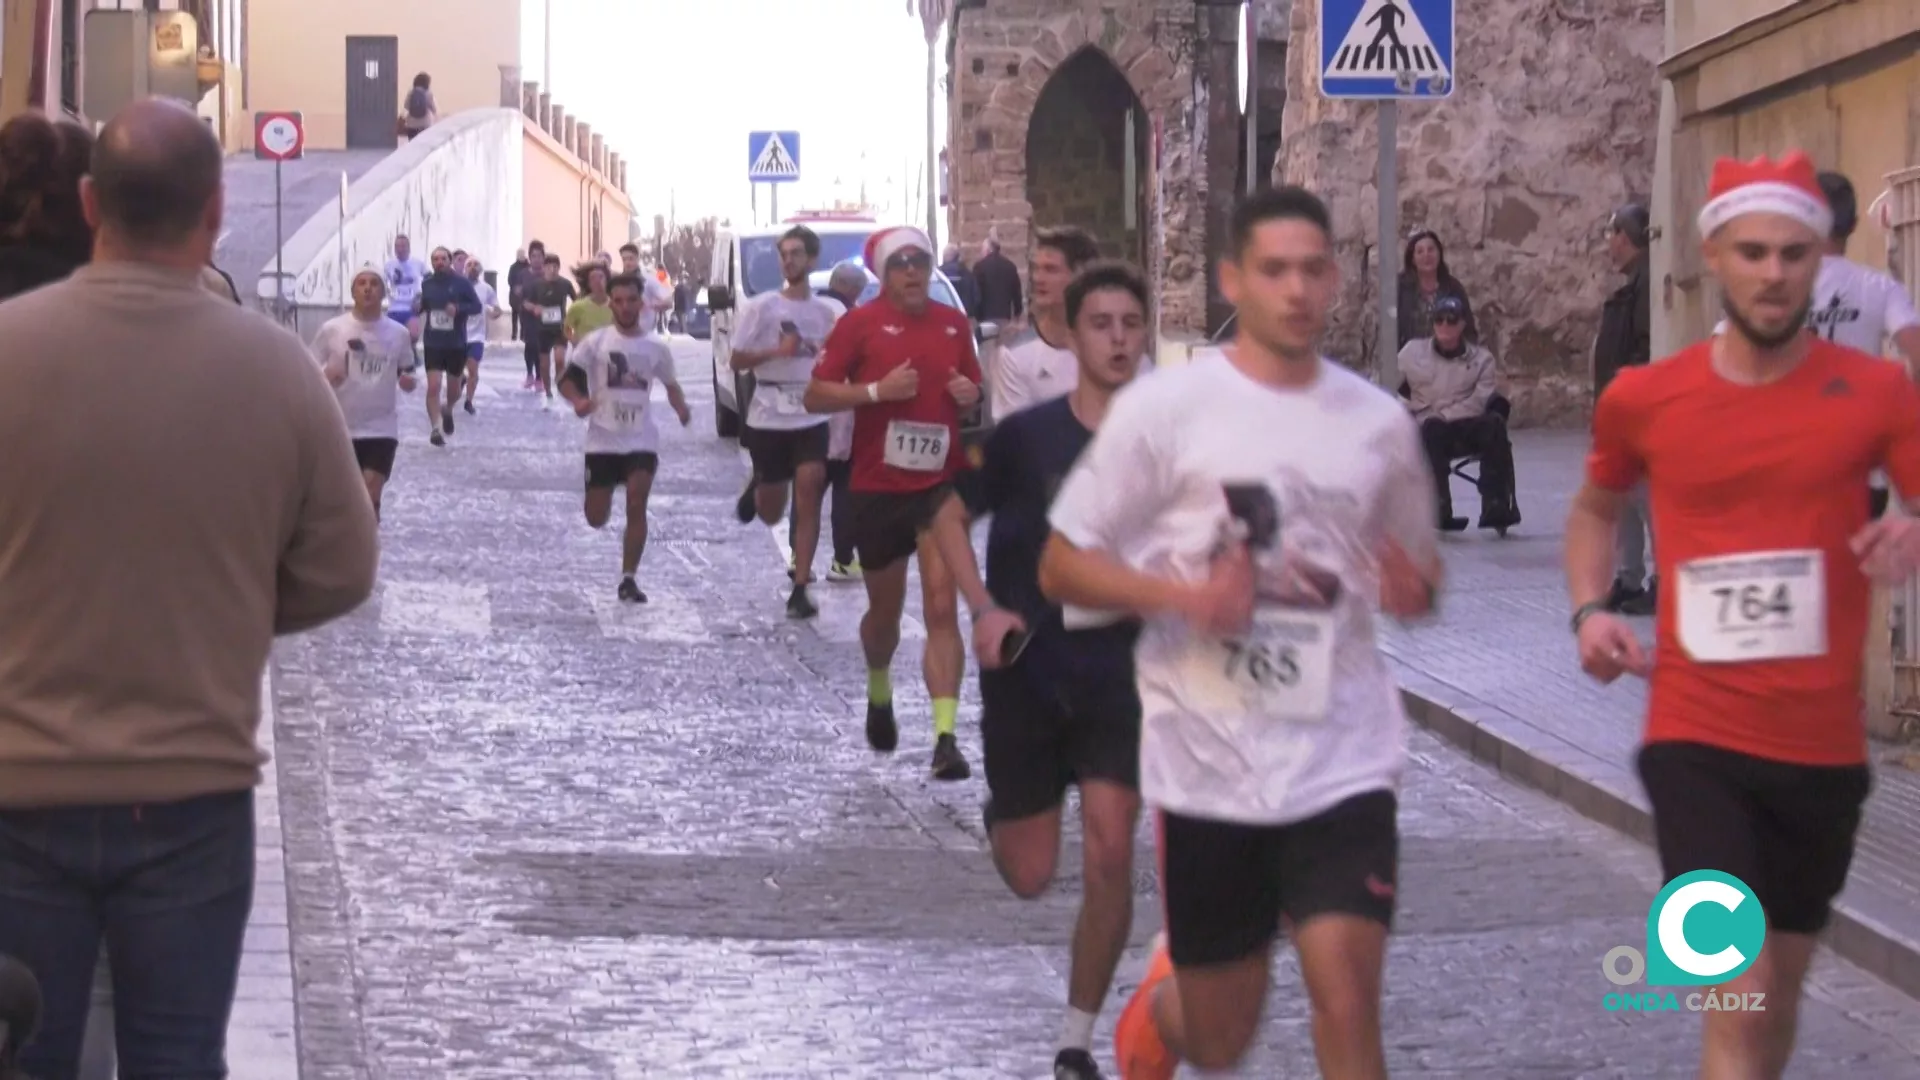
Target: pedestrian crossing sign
x,y
1381,49
773,157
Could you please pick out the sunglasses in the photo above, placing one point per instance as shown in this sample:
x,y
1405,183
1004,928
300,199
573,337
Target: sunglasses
x,y
915,260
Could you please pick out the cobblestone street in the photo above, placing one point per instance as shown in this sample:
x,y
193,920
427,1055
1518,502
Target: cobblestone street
x,y
532,832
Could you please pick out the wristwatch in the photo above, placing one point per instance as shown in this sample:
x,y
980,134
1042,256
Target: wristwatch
x,y
1586,611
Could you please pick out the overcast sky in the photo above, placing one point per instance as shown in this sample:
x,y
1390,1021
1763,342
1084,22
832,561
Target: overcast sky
x,y
677,85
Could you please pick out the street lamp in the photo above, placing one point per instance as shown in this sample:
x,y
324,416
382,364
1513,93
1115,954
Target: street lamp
x,y
1247,68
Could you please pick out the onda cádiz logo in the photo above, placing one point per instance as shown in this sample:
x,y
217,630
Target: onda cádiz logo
x,y
1703,930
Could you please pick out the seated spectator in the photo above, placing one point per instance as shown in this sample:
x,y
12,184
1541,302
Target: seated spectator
x,y
1450,388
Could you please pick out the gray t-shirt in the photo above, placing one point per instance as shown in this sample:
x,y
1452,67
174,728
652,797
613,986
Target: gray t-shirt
x,y
780,384
621,372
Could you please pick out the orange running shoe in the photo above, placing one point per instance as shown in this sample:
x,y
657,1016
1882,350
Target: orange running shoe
x,y
1137,1045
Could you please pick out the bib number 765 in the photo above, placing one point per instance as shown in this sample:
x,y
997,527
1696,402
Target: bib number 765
x,y
1268,665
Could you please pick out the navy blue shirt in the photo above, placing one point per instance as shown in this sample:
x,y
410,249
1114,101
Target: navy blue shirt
x,y
440,289
1022,466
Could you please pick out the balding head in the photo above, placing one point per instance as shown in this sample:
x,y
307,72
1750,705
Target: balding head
x,y
155,185
848,281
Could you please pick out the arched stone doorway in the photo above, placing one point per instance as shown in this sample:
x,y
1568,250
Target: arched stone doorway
x,y
1087,158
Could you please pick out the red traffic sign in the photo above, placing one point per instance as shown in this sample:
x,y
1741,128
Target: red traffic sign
x,y
279,136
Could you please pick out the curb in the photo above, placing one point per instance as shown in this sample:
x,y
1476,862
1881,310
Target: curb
x,y
1864,917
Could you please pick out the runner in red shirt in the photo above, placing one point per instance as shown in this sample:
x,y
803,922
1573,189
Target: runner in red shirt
x,y
1754,446
906,364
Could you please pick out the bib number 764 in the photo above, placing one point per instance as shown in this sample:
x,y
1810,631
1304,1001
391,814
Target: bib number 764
x,y
1753,603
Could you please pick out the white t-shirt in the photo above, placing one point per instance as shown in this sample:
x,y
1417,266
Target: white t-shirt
x,y
780,384
1342,466
839,424
621,372
1857,306
374,355
477,324
656,299
403,282
1029,371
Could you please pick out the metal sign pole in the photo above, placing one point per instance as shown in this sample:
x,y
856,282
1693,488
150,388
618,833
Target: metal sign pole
x,y
1251,43
346,300
279,243
773,195
1389,185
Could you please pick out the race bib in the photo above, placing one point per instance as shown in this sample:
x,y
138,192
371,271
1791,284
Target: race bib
x,y
625,409
789,400
917,447
367,367
440,320
1769,605
552,316
1282,669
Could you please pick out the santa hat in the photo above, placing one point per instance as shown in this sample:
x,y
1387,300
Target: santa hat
x,y
887,243
1789,187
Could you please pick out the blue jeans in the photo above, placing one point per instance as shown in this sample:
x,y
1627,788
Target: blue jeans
x,y
167,888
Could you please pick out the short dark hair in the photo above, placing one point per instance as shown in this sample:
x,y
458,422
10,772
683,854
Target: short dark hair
x,y
625,281
459,253
1104,274
153,177
1072,242
41,163
551,260
536,246
635,248
1843,202
1285,203
807,237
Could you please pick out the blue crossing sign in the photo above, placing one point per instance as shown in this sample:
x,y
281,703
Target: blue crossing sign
x,y
1386,49
773,157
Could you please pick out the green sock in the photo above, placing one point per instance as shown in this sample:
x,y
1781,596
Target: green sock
x,y
944,711
880,687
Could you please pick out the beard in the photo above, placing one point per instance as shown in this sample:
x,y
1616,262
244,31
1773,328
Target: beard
x,y
1763,339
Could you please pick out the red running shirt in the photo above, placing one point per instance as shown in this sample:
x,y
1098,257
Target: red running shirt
x,y
1737,470
876,338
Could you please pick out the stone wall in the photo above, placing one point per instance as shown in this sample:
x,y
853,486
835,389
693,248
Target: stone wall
x,y
1002,57
1551,125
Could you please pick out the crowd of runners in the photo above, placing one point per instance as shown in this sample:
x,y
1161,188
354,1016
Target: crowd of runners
x,y
1183,577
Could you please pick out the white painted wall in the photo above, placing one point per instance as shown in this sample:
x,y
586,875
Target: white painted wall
x,y
461,185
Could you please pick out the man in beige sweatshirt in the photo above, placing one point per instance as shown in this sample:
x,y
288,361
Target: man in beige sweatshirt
x,y
179,488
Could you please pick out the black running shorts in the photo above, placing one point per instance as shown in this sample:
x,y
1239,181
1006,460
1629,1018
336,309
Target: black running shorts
x,y
376,455
1786,830
777,455
1040,735
887,524
451,360
613,470
1227,887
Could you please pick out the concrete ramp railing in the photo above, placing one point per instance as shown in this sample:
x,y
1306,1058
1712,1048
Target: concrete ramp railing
x,y
460,184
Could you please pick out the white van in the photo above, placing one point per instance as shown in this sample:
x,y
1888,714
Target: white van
x,y
746,263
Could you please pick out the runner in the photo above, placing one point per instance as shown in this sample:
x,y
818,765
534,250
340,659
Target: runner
x,y
1754,446
404,273
844,286
778,338
907,366
1251,506
526,320
446,301
547,301
630,259
366,356
658,302
1036,364
477,326
1067,712
609,380
591,312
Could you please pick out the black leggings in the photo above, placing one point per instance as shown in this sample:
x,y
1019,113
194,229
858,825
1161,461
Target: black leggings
x,y
533,355
839,475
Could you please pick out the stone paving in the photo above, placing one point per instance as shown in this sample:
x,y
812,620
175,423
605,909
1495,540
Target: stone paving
x,y
1497,672
531,832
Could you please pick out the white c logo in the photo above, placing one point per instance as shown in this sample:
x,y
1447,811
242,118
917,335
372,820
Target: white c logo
x,y
1672,927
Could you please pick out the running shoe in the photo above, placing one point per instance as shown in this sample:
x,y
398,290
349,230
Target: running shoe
x,y
437,439
1075,1065
630,592
743,508
446,420
844,572
883,734
1137,1046
948,762
469,407
799,605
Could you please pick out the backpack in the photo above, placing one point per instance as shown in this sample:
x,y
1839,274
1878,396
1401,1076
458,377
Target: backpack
x,y
417,103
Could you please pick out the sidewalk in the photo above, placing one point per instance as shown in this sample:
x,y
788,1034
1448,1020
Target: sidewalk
x,y
1496,674
261,1033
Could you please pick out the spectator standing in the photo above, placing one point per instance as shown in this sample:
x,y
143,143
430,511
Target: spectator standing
x,y
962,278
419,112
127,731
997,284
517,275
1424,279
1626,340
